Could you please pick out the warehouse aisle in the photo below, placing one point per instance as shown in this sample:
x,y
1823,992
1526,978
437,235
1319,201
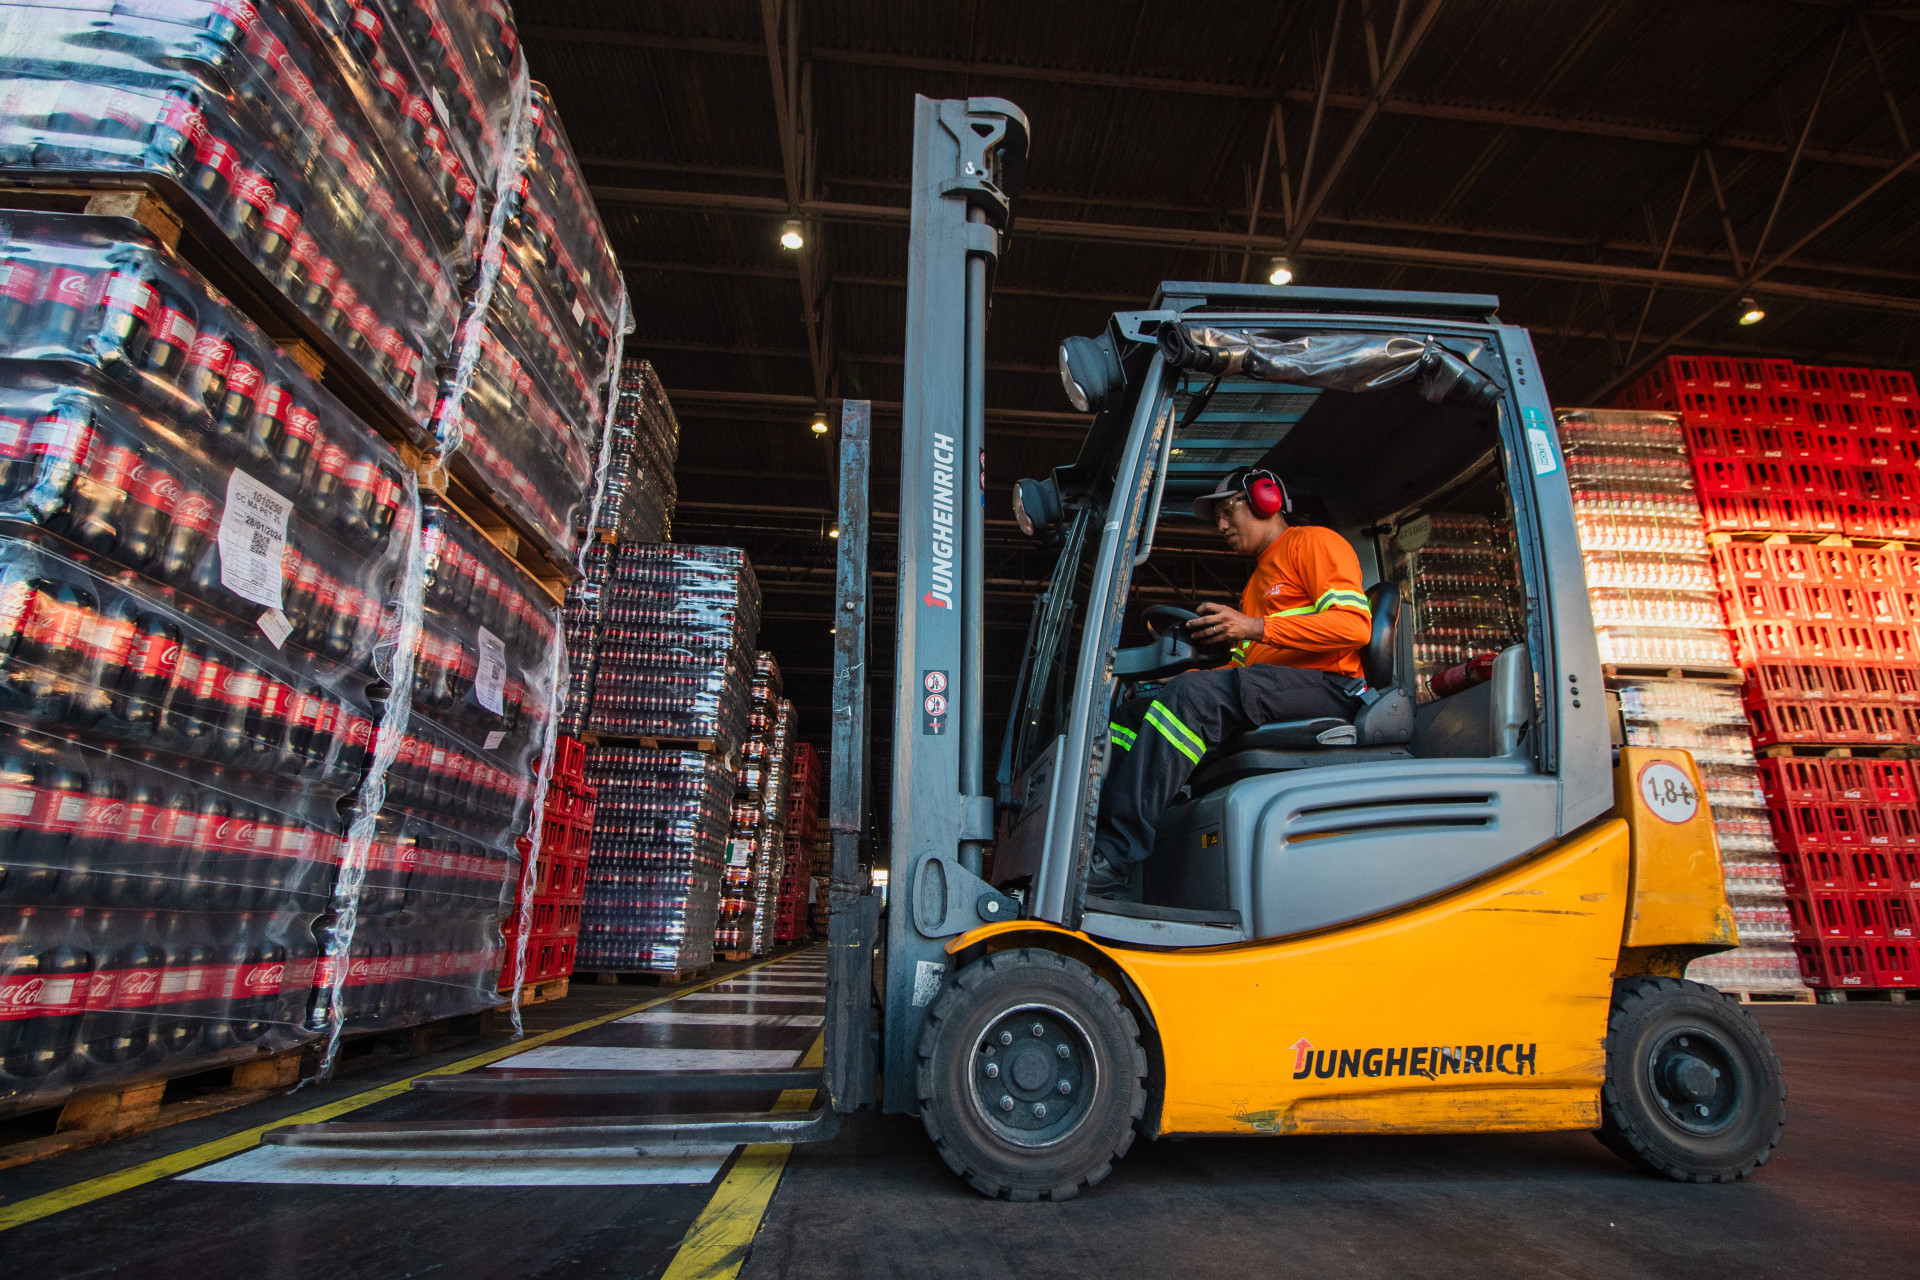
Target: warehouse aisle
x,y
475,1213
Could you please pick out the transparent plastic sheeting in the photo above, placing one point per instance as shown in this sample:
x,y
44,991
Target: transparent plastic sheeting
x,y
313,141
533,842
1331,361
642,444
200,562
659,841
536,366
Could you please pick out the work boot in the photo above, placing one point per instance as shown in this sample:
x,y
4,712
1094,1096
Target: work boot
x,y
1107,880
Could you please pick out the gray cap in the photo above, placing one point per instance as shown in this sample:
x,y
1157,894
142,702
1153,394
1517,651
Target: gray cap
x,y
1231,485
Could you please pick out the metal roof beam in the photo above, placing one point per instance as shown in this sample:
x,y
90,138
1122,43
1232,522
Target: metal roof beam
x,y
1410,255
1493,115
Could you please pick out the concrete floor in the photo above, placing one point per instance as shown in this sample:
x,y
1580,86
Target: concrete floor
x,y
1840,1198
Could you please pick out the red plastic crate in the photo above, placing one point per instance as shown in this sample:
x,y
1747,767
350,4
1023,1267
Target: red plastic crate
x,y
1782,722
1891,781
1900,911
569,758
1821,914
1896,963
1865,914
1794,779
1822,869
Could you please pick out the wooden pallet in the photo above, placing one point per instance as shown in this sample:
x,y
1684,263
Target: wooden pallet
x,y
165,210
1654,671
1877,750
1799,995
91,1117
543,991
648,977
657,742
1804,537
733,957
1871,995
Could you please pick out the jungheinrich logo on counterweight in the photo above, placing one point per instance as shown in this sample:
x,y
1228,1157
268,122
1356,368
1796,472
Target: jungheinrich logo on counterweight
x,y
1511,1059
940,578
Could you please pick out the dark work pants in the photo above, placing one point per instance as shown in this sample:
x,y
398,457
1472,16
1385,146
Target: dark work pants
x,y
1157,741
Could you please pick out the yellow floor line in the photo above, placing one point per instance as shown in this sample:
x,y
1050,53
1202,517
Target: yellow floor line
x,y
715,1246
34,1208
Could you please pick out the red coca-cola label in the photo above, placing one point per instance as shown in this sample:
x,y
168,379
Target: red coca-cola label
x,y
275,402
211,677
391,81
255,188
175,329
134,988
362,972
302,424
305,251
195,511
255,981
184,983
359,730
284,220
363,320
239,12
108,639
184,119
380,202
238,688
326,276
214,154
34,995
419,110
154,486
13,439
154,655
52,625
333,460
275,701
19,282
112,466
67,287
132,295
244,378
57,440
361,475
212,352
324,969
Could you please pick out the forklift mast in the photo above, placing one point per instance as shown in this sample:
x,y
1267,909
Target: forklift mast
x,y
968,157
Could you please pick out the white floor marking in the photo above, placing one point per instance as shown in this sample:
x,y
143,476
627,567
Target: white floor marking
x,y
706,996
725,1019
789,984
583,1057
483,1167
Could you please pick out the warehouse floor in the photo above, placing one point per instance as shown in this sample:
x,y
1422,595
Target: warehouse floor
x,y
1841,1196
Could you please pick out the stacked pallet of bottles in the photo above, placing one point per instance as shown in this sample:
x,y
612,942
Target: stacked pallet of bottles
x,y
583,617
1460,573
548,917
445,864
669,709
796,877
748,836
198,548
526,394
1811,477
659,842
1664,640
770,860
643,443
338,162
821,855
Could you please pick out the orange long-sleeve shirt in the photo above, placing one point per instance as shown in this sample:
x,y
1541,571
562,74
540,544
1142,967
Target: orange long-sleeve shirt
x,y
1306,585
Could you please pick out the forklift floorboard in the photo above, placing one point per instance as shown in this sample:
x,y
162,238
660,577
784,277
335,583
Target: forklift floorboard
x,y
1841,1196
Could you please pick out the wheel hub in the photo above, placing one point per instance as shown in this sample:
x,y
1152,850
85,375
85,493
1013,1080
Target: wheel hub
x,y
1032,1075
1695,1080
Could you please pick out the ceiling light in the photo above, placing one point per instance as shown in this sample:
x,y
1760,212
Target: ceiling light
x,y
790,237
1279,271
820,426
834,532
1750,312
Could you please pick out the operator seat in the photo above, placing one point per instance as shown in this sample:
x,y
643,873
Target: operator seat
x,y
1383,725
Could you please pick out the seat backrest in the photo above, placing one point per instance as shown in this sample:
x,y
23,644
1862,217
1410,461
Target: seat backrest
x,y
1380,659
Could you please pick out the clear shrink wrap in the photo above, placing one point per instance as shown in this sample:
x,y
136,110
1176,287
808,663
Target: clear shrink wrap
x,y
583,617
641,447
469,764
193,604
244,110
659,838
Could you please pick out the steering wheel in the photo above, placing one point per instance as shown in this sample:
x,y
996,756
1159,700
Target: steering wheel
x,y
1155,612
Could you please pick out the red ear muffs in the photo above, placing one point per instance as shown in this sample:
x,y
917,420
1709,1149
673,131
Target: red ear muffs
x,y
1266,496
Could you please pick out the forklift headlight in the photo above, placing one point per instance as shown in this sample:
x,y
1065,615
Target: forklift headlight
x,y
1036,506
1090,372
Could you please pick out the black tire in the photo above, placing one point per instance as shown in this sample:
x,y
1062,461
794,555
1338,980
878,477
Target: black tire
x,y
1694,1089
1047,1143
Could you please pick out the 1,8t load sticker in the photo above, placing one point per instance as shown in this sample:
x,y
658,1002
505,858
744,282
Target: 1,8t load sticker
x,y
1666,789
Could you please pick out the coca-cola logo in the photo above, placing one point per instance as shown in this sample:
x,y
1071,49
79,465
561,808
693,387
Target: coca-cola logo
x,y
106,814
70,287
244,833
245,378
193,510
22,994
139,982
157,486
253,187
265,977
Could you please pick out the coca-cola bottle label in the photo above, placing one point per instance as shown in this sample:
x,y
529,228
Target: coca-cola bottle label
x,y
35,995
19,283
302,423
255,188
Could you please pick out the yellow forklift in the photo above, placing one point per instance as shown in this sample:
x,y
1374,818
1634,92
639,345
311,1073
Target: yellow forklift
x,y
1469,913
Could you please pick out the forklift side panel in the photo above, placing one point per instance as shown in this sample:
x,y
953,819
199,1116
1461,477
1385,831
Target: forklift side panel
x,y
1679,892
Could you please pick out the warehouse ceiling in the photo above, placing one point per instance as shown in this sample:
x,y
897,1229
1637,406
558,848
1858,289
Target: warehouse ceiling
x,y
1620,172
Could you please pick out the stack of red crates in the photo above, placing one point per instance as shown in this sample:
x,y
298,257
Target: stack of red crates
x,y
796,880
560,874
1849,837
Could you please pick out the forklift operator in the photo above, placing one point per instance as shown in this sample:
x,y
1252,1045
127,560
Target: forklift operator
x,y
1296,641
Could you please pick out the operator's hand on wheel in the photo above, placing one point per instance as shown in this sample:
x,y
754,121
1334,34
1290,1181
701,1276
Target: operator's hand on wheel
x,y
1219,625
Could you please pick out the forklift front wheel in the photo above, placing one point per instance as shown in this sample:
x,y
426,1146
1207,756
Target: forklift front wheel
x,y
1693,1087
1031,1075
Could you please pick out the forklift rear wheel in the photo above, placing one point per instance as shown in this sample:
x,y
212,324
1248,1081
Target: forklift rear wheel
x,y
1031,1075
1693,1087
